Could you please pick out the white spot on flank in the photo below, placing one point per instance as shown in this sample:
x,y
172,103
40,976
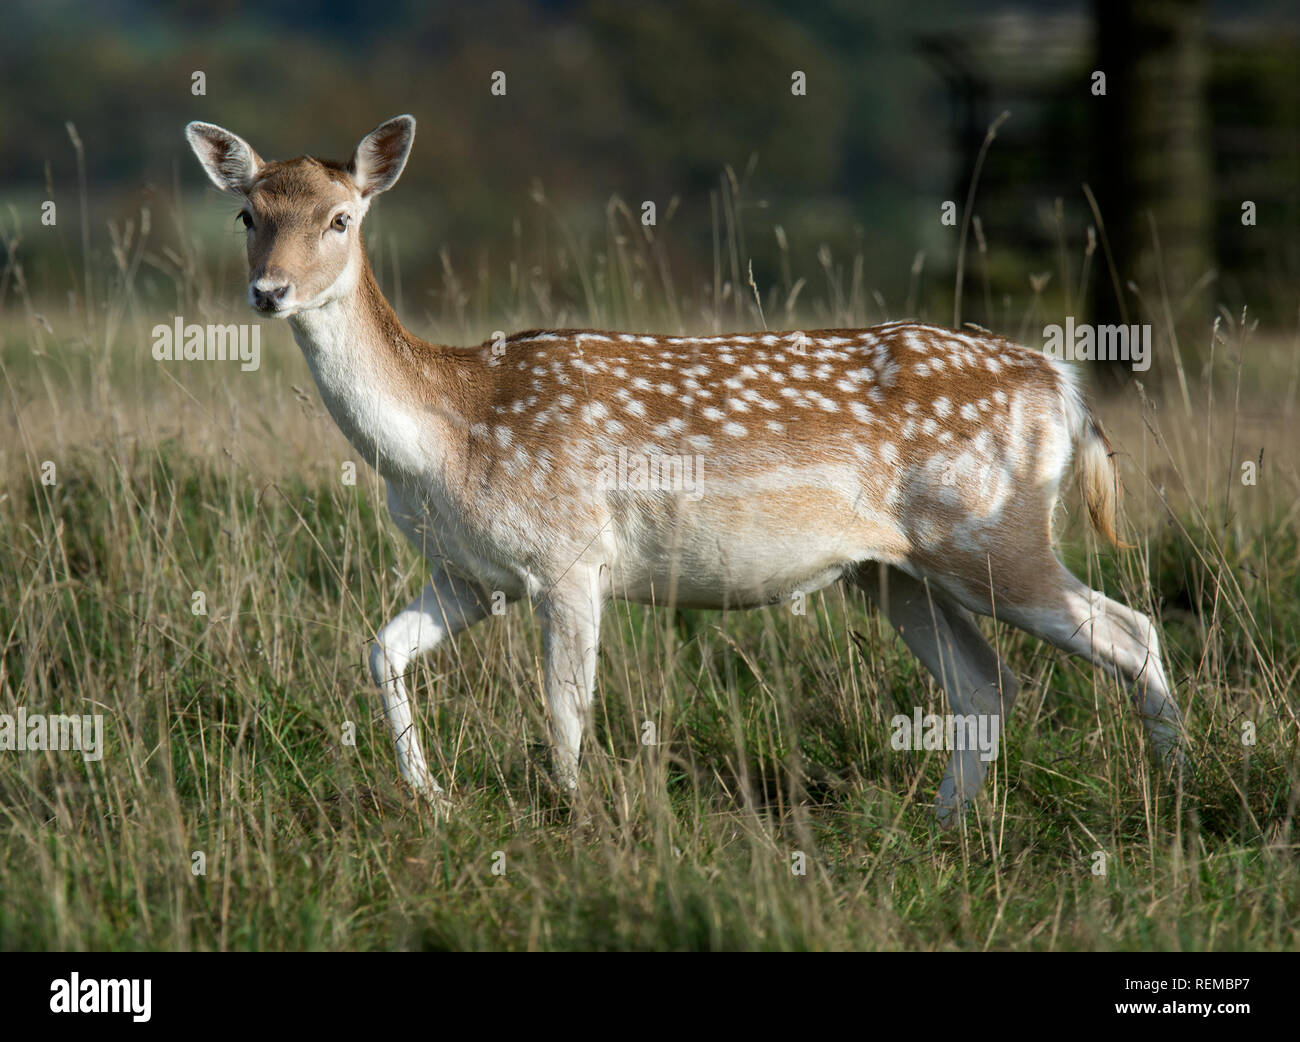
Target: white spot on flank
x,y
942,407
969,412
734,429
710,413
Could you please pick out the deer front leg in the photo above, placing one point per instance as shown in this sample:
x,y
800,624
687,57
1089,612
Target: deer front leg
x,y
444,607
570,639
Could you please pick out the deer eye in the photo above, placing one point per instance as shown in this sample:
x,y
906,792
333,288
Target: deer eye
x,y
340,222
246,217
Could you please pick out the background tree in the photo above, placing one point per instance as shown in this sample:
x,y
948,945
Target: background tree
x,y
1153,170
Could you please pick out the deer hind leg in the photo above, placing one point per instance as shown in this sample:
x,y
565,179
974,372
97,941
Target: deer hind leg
x,y
570,614
444,607
1065,612
943,636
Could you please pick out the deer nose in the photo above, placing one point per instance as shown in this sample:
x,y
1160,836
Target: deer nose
x,y
268,298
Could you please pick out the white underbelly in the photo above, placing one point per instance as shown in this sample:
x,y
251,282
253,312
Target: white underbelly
x,y
711,559
716,552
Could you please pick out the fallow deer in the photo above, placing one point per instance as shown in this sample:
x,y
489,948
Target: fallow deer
x,y
921,464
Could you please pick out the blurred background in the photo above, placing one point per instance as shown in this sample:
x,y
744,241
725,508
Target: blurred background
x,y
526,208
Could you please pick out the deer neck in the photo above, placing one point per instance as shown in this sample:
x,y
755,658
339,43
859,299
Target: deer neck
x,y
390,392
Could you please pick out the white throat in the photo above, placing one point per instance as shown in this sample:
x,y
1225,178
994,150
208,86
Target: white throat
x,y
343,344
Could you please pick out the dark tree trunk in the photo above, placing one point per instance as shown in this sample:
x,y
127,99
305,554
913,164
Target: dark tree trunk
x,y
1151,161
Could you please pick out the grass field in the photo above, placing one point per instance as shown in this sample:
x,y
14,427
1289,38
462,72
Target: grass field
x,y
225,731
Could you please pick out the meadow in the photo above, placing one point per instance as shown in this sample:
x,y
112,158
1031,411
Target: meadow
x,y
769,811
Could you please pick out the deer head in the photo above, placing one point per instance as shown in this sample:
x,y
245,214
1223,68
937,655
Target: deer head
x,y
303,216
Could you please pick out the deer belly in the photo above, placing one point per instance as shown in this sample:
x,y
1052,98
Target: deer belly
x,y
718,552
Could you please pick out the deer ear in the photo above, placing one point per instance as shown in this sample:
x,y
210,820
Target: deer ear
x,y
229,160
378,161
